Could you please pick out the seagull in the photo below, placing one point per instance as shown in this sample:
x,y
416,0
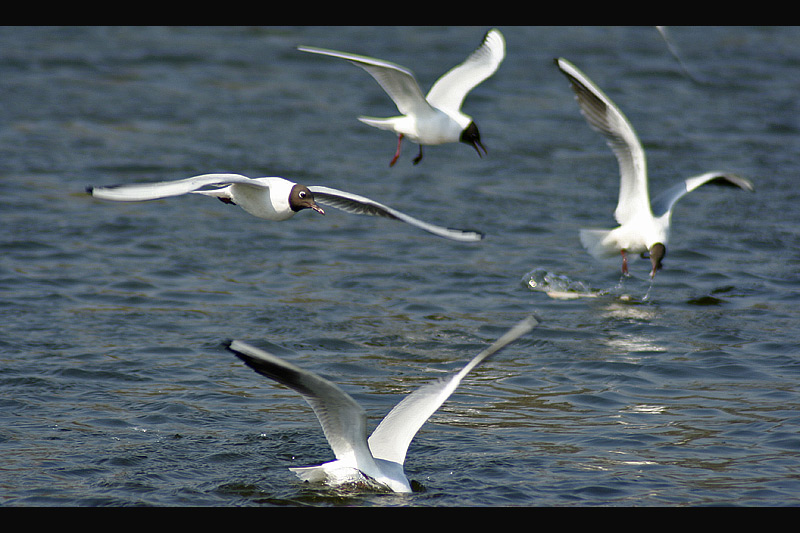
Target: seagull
x,y
437,117
271,198
644,227
376,461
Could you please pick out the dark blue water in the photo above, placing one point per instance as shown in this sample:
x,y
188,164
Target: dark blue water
x,y
115,390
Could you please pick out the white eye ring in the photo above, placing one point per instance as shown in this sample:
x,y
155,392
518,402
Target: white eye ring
x,y
302,194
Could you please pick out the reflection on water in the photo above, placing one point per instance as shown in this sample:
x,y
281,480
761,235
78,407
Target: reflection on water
x,y
628,344
627,310
644,408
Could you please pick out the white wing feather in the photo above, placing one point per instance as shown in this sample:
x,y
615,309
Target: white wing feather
x,y
391,438
605,117
398,82
664,202
162,189
360,205
343,421
449,91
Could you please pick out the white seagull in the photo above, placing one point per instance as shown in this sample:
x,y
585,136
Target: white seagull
x,y
361,460
644,229
271,198
437,117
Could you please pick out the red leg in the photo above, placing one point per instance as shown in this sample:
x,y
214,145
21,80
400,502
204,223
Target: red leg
x,y
624,261
397,154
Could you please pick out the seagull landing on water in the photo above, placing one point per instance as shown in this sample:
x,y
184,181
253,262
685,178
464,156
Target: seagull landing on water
x,y
437,117
271,198
377,460
644,228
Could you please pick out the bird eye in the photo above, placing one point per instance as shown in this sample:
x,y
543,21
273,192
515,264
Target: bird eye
x,y
302,194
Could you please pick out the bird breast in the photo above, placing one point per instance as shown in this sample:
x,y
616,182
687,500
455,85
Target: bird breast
x,y
436,128
271,203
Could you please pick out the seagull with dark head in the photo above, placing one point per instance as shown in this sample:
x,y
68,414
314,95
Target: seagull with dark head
x,y
644,227
436,118
272,198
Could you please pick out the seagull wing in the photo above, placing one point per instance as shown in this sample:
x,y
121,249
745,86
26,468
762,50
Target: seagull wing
x,y
398,82
605,117
343,420
449,91
391,438
151,191
359,205
664,202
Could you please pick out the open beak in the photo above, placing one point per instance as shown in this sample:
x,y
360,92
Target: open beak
x,y
477,144
318,209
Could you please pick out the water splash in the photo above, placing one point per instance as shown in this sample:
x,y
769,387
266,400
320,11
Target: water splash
x,y
558,286
649,290
563,287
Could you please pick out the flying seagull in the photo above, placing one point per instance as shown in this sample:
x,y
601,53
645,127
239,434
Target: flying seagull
x,y
644,227
272,198
437,117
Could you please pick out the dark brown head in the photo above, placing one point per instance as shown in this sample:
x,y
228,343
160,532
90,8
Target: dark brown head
x,y
657,253
301,198
472,136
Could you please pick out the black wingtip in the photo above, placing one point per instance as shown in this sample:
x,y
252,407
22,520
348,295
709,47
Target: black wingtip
x,y
228,343
89,190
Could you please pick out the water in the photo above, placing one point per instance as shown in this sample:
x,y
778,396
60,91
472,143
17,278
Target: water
x,y
115,390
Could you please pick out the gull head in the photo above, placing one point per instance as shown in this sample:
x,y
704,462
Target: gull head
x,y
657,253
301,198
472,136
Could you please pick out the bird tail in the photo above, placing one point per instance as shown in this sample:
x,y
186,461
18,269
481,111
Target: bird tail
x,y
593,241
380,123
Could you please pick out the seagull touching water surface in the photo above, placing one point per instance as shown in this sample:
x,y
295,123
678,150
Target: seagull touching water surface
x,y
437,117
377,460
271,198
644,229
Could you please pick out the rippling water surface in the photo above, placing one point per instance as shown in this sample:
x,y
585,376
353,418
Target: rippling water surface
x,y
115,390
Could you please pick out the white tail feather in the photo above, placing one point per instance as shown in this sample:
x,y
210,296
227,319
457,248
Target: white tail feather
x,y
592,240
380,123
